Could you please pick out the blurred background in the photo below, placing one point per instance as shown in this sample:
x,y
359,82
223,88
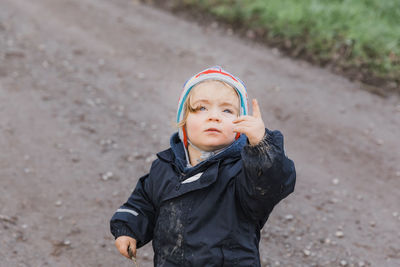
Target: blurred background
x,y
88,95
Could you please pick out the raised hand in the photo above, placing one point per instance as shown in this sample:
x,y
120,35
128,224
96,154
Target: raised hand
x,y
252,126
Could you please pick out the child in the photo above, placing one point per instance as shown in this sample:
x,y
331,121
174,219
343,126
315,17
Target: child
x,y
206,198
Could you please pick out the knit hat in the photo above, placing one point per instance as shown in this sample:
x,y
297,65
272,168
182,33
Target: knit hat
x,y
213,73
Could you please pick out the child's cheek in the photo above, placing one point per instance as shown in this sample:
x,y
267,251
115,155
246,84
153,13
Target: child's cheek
x,y
231,124
232,132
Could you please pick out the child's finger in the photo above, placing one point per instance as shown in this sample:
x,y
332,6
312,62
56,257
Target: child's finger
x,y
132,251
242,118
122,248
256,109
247,124
240,129
244,124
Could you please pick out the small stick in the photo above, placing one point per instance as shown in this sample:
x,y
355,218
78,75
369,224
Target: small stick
x,y
130,253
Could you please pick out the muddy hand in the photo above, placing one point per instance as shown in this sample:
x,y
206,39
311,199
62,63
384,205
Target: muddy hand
x,y
126,244
252,126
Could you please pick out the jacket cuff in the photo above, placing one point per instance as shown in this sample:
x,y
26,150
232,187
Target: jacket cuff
x,y
261,148
120,229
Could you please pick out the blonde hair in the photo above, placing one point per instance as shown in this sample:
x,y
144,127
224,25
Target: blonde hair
x,y
187,108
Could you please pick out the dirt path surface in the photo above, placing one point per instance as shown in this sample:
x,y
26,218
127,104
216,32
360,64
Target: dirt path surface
x,y
88,91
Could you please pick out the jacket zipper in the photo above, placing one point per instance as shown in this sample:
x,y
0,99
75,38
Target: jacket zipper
x,y
181,177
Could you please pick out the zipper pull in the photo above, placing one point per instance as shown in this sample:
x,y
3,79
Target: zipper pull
x,y
181,178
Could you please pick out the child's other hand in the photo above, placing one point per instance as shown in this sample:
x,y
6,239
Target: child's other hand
x,y
252,126
123,242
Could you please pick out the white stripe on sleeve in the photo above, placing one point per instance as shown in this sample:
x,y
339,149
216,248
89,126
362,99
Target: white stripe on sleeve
x,y
128,211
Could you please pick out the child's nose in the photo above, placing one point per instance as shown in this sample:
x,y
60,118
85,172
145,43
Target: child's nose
x,y
214,115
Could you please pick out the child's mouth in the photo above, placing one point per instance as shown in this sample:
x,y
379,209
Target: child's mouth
x,y
212,130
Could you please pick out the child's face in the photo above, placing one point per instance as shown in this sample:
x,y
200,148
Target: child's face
x,y
210,126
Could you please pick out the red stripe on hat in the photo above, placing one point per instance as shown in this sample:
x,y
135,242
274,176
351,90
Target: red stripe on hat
x,y
216,71
237,136
185,142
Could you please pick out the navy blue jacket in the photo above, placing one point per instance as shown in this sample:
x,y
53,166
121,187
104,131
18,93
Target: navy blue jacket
x,y
216,219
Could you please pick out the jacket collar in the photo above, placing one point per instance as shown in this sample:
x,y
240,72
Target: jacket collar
x,y
176,154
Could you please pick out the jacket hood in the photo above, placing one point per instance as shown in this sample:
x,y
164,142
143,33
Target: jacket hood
x,y
178,150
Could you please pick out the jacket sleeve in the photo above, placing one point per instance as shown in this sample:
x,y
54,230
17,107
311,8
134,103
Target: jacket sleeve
x,y
268,176
136,217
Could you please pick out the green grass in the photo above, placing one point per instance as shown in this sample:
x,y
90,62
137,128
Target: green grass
x,y
362,34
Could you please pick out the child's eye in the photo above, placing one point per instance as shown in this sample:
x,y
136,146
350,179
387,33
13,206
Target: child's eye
x,y
200,108
228,111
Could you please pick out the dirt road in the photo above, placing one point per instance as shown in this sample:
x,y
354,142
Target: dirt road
x,y
88,91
